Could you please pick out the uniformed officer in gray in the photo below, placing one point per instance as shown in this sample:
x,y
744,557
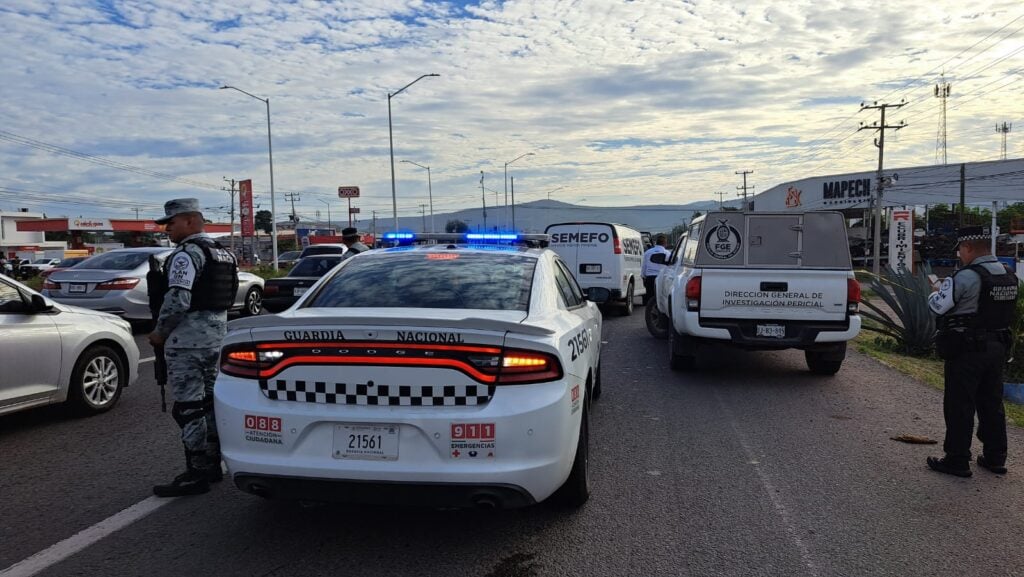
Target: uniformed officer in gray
x,y
974,309
201,281
353,240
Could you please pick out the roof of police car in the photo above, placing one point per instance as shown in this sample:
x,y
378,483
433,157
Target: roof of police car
x,y
463,247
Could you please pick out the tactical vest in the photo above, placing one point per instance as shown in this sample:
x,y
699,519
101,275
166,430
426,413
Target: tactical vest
x,y
217,285
997,300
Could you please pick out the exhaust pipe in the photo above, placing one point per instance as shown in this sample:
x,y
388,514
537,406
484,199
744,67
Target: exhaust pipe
x,y
485,502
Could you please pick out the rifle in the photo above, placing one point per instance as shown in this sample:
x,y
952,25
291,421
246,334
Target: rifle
x,y
156,287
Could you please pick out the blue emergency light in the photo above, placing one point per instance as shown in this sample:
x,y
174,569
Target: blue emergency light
x,y
491,236
399,236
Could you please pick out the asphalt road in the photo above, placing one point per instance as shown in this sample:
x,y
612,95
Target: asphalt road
x,y
750,466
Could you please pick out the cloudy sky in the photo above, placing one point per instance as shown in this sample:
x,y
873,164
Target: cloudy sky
x,y
111,106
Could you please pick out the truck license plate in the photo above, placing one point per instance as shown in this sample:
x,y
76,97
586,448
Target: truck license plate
x,y
771,331
299,291
366,442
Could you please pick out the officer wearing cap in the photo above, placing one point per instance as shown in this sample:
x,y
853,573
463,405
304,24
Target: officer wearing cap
x,y
974,309
649,270
201,280
351,237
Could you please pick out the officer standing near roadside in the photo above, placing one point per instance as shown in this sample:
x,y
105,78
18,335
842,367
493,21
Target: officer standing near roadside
x,y
201,279
974,309
649,270
351,237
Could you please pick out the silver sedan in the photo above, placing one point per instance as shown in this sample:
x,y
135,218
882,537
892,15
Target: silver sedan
x,y
52,353
115,282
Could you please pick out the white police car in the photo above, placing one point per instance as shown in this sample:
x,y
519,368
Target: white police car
x,y
442,375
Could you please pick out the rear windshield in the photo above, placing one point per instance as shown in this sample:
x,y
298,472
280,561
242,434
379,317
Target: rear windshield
x,y
427,279
115,261
70,262
315,266
323,249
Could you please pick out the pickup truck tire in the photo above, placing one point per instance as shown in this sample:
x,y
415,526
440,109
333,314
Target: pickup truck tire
x,y
627,303
657,323
682,350
826,362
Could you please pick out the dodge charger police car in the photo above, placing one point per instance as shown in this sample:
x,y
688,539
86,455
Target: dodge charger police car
x,y
443,375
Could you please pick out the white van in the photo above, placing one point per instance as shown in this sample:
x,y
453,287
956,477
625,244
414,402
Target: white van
x,y
602,254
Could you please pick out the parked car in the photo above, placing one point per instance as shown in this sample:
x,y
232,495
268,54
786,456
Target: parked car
x,y
323,249
115,282
446,374
288,259
281,293
64,264
29,270
52,353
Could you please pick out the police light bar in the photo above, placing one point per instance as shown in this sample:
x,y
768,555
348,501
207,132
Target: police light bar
x,y
399,236
491,236
468,238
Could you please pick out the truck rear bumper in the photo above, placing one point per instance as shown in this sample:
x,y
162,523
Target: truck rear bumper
x,y
798,334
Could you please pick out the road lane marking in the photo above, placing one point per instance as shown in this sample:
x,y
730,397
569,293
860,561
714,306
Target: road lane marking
x,y
147,360
79,541
769,488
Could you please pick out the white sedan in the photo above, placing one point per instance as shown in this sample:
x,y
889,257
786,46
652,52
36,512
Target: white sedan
x,y
52,353
449,375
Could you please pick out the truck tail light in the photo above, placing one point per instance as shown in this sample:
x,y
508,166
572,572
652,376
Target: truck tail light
x,y
693,293
270,289
50,285
118,284
852,295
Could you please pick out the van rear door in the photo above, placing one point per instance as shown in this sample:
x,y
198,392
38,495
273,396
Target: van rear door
x,y
588,249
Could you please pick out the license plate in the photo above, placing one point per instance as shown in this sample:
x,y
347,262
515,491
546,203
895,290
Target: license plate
x,y
76,288
366,442
299,291
590,269
771,331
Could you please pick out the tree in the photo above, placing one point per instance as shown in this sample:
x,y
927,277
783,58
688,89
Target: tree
x,y
264,221
456,226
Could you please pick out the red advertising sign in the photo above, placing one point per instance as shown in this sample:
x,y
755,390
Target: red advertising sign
x,y
245,208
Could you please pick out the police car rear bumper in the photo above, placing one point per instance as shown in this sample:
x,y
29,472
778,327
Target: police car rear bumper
x,y
536,430
461,495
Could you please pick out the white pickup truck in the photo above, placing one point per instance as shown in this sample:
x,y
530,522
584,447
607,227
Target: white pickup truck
x,y
760,281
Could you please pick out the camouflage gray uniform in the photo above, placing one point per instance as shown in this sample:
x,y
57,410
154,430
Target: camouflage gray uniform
x,y
192,347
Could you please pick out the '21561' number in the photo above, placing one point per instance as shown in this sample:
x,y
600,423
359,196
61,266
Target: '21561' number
x,y
364,441
579,343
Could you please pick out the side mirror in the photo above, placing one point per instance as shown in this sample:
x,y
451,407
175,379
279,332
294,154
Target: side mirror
x,y
658,258
39,304
599,295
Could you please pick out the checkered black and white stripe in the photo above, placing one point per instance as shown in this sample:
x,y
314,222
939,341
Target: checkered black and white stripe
x,y
377,395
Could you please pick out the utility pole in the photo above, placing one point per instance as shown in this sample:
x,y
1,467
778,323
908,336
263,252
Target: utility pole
x,y
744,187
513,204
374,226
880,144
1004,130
293,196
423,215
483,199
232,192
136,213
720,196
942,93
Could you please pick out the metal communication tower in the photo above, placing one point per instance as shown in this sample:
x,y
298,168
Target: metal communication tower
x,y
1004,130
942,93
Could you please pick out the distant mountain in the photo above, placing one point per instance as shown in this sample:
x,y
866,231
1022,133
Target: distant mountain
x,y
537,215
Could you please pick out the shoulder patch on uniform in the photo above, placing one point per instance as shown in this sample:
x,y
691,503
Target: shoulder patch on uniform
x,y
182,272
942,301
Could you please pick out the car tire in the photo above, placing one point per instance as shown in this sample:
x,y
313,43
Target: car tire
x,y
576,489
253,304
826,362
682,353
597,382
657,323
97,381
627,304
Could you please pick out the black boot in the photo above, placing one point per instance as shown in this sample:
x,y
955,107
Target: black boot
x,y
950,466
997,466
214,473
193,481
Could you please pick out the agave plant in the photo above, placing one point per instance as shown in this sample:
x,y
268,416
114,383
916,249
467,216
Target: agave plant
x,y
1016,368
906,294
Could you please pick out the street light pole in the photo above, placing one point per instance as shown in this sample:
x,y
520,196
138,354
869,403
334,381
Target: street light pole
x,y
430,193
506,182
391,146
556,189
270,151
328,212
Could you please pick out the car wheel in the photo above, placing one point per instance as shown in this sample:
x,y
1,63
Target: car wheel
x,y
627,304
253,302
597,382
826,362
97,381
576,489
657,323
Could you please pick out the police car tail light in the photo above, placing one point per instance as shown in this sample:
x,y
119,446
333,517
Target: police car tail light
x,y
243,360
693,293
852,295
521,367
50,285
118,284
